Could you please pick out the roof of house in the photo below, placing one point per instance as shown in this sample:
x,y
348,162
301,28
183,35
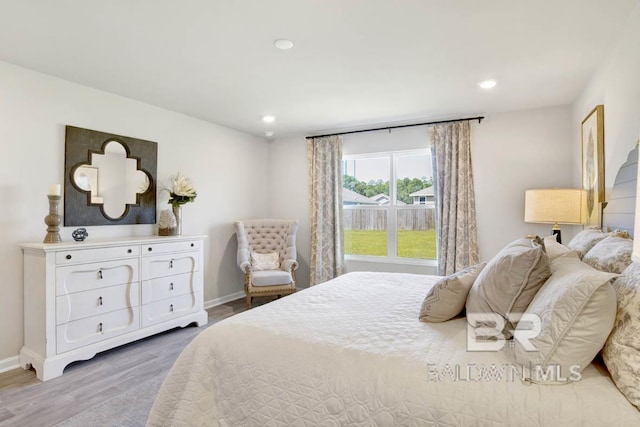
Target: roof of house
x,y
351,197
429,191
379,197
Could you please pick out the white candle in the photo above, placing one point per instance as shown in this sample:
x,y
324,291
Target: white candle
x,y
55,190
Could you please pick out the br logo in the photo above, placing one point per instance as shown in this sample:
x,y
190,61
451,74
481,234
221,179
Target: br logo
x,y
491,331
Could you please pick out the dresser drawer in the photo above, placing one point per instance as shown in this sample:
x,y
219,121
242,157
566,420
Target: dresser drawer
x,y
169,265
75,256
94,329
160,248
167,309
79,305
167,287
77,278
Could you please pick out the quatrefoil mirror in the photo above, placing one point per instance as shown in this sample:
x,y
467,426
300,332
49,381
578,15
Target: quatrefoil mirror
x,y
109,179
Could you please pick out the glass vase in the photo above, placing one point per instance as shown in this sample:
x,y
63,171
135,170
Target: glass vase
x,y
177,212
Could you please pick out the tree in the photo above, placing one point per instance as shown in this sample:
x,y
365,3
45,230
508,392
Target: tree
x,y
349,182
406,186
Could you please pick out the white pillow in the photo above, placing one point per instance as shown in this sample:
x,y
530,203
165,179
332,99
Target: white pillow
x,y
260,262
621,353
553,248
508,283
577,308
585,240
612,254
445,300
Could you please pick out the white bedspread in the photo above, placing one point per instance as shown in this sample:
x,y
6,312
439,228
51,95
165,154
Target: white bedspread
x,y
352,352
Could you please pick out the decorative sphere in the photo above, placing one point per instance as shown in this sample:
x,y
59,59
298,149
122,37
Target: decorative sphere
x,y
80,234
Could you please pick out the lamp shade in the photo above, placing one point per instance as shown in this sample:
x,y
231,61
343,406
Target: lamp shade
x,y
555,206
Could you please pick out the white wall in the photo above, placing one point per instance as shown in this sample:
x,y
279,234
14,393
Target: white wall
x,y
616,85
511,153
227,166
289,194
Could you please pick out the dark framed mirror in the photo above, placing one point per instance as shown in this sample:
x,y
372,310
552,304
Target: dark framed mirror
x,y
108,179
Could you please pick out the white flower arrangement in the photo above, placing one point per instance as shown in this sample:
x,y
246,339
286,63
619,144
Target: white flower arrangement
x,y
181,190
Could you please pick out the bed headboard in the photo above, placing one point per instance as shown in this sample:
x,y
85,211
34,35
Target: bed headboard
x,y
620,210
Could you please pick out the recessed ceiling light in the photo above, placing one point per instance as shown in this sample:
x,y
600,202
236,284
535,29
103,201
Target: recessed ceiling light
x,y
283,44
268,133
487,84
268,119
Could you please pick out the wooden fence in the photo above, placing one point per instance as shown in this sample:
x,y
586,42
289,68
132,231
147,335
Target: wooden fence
x,y
376,219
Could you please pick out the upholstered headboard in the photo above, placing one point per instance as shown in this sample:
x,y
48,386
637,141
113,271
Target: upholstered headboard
x,y
620,210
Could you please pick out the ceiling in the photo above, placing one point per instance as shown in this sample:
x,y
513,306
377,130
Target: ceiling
x,y
355,62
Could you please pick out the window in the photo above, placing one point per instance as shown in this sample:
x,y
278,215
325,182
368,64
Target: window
x,y
389,205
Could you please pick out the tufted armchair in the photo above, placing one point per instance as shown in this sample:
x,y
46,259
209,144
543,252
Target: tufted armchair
x,y
265,236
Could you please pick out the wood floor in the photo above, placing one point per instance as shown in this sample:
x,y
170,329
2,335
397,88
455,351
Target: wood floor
x,y
26,401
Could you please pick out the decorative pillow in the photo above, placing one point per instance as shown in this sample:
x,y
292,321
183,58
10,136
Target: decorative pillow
x,y
585,240
445,300
553,248
509,281
621,352
612,254
270,261
619,233
576,308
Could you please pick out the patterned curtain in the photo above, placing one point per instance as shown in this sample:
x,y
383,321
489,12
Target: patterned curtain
x,y
457,234
327,237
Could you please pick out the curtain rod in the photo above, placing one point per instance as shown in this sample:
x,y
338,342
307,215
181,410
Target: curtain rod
x,y
478,118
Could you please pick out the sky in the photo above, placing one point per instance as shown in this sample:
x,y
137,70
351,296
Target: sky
x,y
408,166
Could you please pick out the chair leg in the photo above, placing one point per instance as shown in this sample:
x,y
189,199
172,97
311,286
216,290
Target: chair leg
x,y
248,302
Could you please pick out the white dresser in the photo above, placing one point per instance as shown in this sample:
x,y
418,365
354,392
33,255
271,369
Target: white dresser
x,y
83,298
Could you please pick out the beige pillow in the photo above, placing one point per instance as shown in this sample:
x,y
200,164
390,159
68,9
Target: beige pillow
x,y
621,352
553,248
619,233
260,262
509,281
576,308
445,300
585,240
612,254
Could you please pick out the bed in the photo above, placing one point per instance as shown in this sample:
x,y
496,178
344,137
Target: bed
x,y
351,351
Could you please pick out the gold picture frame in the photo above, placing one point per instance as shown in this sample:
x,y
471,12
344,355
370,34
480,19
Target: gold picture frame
x,y
593,164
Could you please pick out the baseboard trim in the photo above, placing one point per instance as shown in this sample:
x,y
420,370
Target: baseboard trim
x,y
9,364
217,301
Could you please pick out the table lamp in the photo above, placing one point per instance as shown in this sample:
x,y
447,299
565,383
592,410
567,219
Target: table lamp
x,y
555,206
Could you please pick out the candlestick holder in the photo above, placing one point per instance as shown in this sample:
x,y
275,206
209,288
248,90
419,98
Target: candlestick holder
x,y
53,221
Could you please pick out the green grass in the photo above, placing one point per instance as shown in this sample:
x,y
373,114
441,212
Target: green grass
x,y
411,244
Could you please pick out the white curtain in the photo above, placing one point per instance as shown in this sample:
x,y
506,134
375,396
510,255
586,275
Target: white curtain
x,y
457,234
327,237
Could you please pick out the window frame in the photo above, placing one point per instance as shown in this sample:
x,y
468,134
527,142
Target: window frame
x,y
392,209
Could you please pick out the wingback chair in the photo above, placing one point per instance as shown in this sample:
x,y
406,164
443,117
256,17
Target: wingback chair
x,y
267,236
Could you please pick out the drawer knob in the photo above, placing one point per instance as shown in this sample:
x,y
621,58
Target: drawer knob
x,y
100,327
171,264
171,286
68,256
192,245
99,300
171,308
100,274
150,249
129,251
